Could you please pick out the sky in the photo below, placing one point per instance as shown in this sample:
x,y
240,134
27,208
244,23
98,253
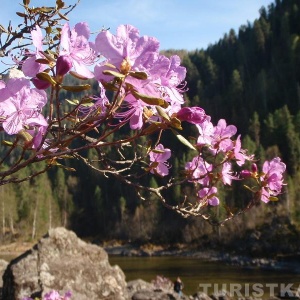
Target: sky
x,y
177,24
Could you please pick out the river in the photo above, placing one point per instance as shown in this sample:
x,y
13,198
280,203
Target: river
x,y
199,274
210,275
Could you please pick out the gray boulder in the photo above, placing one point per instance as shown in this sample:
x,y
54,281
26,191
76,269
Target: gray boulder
x,y
141,290
3,266
63,262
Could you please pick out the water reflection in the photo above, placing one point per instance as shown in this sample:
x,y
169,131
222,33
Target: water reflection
x,y
196,271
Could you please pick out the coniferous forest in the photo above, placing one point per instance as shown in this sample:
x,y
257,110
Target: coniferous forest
x,y
251,78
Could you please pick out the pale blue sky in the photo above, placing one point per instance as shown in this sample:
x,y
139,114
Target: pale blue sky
x,y
177,24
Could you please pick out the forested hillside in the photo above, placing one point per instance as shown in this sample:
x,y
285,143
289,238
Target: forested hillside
x,y
251,78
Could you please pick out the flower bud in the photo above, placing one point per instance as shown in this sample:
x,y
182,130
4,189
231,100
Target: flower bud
x,y
40,84
194,115
63,65
254,168
245,174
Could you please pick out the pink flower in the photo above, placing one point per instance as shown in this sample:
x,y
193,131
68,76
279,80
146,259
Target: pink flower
x,y
272,178
22,108
227,176
127,45
194,115
30,67
198,170
129,52
166,75
158,158
209,194
100,104
222,136
132,112
76,47
239,153
206,133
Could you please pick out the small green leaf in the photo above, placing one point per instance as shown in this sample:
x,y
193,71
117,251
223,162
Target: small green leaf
x,y
45,9
7,143
59,4
46,77
151,100
73,102
139,75
157,151
21,14
162,113
150,129
176,123
42,61
113,73
272,198
78,76
183,140
76,88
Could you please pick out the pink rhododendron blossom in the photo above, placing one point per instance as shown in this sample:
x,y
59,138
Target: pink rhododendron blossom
x,y
22,108
30,67
206,133
166,75
227,176
193,115
76,47
239,153
129,52
158,159
222,136
210,195
198,170
127,45
272,178
53,295
100,104
132,112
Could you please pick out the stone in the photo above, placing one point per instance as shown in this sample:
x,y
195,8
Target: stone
x,y
63,262
201,296
142,290
3,266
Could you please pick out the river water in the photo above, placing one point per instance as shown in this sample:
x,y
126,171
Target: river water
x,y
208,276
199,274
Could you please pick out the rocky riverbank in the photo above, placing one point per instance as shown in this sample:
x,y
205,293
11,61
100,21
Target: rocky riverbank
x,y
62,261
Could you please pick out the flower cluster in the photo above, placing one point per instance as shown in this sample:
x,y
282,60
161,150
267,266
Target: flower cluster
x,y
148,97
53,295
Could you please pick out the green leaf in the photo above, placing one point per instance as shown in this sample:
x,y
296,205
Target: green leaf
x,y
113,73
150,129
183,140
176,123
162,113
78,76
73,102
151,100
76,88
59,4
7,143
46,77
42,61
139,75
21,14
272,198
